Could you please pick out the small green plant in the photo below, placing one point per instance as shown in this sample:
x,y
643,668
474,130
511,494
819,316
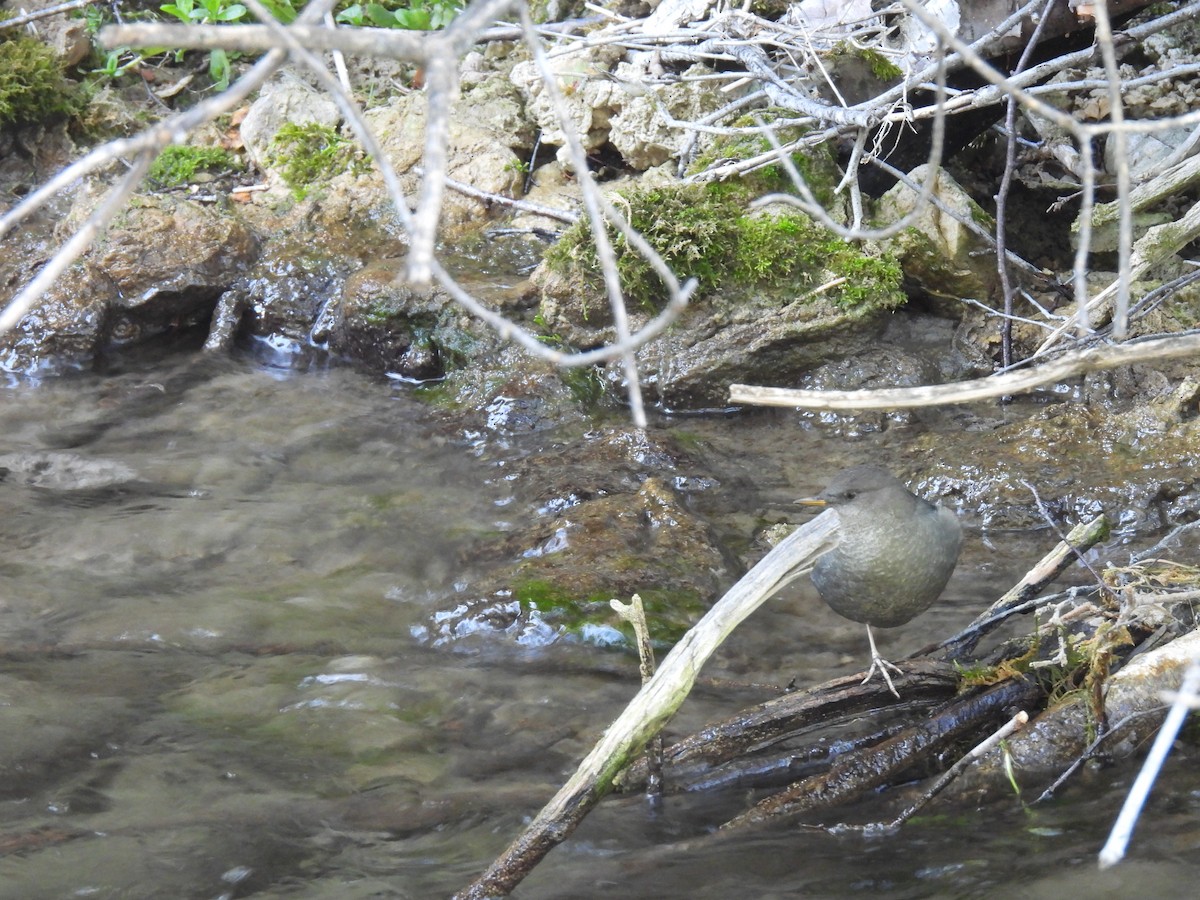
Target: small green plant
x,y
122,59
205,12
415,15
310,153
118,62
179,165
283,10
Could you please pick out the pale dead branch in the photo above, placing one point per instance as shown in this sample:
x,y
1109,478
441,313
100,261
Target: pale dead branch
x,y
1103,357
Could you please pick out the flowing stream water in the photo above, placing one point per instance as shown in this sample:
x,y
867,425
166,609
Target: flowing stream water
x,y
215,579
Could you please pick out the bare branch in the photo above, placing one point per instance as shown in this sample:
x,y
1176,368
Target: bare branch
x,y
1103,357
26,18
389,43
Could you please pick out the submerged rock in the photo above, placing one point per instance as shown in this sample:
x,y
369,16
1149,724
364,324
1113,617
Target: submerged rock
x,y
58,471
608,524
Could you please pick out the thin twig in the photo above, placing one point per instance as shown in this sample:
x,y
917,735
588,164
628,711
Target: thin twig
x,y
634,612
1003,733
26,18
1010,163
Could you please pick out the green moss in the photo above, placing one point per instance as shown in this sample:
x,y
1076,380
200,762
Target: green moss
x,y
868,278
539,593
309,154
32,86
773,250
585,384
668,613
881,67
711,238
816,165
684,225
179,165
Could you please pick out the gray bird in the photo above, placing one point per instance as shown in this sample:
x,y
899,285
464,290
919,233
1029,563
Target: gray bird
x,y
894,555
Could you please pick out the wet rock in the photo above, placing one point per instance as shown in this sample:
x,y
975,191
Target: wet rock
x,y
381,322
1080,460
563,570
505,393
159,271
754,342
945,257
910,352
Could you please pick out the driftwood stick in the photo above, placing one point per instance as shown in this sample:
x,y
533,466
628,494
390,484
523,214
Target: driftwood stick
x,y
860,771
783,717
1007,730
1015,382
652,708
635,614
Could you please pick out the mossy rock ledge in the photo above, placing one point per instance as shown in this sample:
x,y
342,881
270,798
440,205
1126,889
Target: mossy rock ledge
x,y
778,294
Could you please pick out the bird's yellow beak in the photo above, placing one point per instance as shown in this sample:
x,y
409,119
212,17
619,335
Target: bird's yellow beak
x,y
811,501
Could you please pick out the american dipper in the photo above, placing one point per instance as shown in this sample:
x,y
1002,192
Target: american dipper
x,y
894,555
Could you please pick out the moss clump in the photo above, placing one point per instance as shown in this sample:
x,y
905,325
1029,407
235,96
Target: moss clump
x,y
311,153
684,226
881,67
707,236
32,86
179,165
816,165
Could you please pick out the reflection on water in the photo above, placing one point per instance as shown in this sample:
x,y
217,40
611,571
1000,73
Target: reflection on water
x,y
212,580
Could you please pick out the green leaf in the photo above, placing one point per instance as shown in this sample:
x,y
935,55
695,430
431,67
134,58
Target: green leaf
x,y
218,69
380,16
181,10
413,19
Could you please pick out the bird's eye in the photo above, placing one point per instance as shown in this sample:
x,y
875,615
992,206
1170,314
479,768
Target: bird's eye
x,y
850,495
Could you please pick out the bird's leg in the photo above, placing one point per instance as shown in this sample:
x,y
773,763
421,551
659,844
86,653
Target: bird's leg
x,y
881,665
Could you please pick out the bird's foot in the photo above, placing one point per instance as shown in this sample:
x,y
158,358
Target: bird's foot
x,y
881,665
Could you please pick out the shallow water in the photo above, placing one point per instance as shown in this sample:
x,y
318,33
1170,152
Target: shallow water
x,y
213,580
